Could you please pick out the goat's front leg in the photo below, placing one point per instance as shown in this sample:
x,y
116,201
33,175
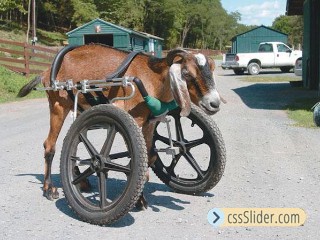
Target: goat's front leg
x,y
147,131
58,114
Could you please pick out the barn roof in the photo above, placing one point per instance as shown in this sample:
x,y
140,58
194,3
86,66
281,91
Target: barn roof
x,y
127,30
262,26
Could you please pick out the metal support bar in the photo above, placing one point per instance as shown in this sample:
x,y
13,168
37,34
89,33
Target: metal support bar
x,y
86,86
171,150
75,106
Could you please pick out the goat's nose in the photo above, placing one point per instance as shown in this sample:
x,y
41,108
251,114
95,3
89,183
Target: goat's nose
x,y
214,104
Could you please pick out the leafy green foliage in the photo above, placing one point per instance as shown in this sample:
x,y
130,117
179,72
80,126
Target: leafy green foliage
x,y
185,23
6,5
84,11
291,25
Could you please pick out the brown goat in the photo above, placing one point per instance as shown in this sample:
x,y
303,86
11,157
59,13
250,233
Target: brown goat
x,y
181,76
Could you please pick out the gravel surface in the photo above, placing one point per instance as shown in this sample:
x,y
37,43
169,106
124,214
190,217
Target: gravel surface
x,y
270,163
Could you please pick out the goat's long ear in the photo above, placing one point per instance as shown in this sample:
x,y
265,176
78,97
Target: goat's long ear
x,y
179,89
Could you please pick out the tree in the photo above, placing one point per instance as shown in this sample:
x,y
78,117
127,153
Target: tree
x,y
83,11
13,10
291,25
109,9
185,23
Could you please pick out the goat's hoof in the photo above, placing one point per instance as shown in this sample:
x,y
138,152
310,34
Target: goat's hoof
x,y
141,204
85,186
51,193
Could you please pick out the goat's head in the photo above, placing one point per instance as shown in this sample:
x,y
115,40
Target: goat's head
x,y
191,79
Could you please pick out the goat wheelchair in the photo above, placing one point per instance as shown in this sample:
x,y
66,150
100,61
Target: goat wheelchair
x,y
104,159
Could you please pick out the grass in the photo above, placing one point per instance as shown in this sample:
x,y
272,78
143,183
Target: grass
x,y
300,111
11,31
10,84
15,32
51,38
217,57
261,78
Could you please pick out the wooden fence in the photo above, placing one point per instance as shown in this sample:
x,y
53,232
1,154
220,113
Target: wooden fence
x,y
25,58
207,52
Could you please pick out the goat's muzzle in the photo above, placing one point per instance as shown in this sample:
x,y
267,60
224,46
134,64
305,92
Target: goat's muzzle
x,y
210,103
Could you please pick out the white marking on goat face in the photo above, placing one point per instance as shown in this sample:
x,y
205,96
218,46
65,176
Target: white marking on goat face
x,y
210,102
201,59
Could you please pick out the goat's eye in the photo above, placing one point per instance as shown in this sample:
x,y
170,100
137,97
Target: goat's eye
x,y
186,74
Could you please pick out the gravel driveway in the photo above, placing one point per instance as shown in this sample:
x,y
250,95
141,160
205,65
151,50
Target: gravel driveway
x,y
270,163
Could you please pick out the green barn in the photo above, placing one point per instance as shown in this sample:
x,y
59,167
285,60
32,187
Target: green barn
x,y
100,31
249,41
310,9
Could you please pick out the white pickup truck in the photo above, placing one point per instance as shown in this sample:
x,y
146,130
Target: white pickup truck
x,y
269,55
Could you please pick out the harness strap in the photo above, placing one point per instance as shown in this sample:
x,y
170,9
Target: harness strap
x,y
57,61
123,66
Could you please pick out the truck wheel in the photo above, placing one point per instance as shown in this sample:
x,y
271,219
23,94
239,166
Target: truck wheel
x,y
253,68
285,69
316,114
238,71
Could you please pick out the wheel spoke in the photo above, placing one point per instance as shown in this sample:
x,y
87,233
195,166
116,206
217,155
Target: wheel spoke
x,y
90,148
194,143
173,164
111,166
88,172
119,155
102,190
193,164
179,131
106,148
162,139
80,162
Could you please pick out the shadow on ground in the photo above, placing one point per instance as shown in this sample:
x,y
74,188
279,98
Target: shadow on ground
x,y
153,192
273,96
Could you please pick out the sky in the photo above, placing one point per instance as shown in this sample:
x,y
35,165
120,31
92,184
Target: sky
x,y
256,12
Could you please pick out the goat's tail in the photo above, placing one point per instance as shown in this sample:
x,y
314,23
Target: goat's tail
x,y
26,89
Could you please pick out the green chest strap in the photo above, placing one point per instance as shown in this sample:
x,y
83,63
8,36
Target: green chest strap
x,y
158,107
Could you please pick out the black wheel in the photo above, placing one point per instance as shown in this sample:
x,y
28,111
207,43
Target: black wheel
x,y
200,163
238,71
316,114
103,164
253,68
285,69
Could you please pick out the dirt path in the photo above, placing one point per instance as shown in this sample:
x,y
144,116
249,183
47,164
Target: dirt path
x,y
270,163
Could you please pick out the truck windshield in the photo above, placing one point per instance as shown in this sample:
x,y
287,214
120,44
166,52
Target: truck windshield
x,y
266,47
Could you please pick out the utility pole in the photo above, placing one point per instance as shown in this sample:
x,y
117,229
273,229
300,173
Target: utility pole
x,y
34,34
28,29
